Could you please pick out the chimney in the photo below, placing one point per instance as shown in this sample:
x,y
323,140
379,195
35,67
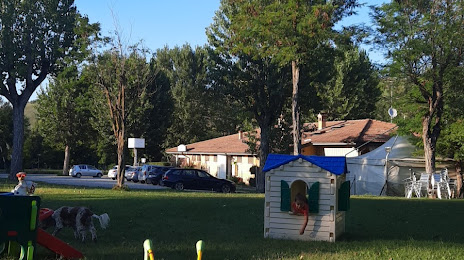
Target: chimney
x,y
321,120
240,135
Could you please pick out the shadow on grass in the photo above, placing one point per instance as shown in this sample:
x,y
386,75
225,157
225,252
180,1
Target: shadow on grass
x,y
231,226
404,219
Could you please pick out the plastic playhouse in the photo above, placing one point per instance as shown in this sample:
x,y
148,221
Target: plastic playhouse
x,y
322,180
19,233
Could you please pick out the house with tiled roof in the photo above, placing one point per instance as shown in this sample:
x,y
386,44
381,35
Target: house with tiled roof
x,y
230,156
344,138
223,157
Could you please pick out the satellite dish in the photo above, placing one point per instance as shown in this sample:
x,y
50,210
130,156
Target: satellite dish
x,y
392,112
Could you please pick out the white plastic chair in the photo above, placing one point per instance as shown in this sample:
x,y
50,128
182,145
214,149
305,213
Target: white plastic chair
x,y
412,185
425,180
416,186
436,186
445,182
408,188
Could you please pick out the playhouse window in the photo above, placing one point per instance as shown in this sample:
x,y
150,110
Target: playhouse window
x,y
287,194
298,186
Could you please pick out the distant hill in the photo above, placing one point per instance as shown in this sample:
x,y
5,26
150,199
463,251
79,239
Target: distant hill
x,y
30,112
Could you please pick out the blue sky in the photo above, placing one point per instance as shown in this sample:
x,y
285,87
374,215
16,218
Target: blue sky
x,y
157,22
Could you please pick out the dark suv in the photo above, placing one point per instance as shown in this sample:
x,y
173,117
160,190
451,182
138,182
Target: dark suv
x,y
154,173
181,179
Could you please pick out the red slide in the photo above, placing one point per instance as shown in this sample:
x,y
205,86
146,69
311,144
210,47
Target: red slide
x,y
54,244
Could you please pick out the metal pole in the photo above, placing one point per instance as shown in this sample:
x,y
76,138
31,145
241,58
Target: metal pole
x,y
135,157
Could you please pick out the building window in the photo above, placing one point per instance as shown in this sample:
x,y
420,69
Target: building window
x,y
239,159
214,158
206,158
250,159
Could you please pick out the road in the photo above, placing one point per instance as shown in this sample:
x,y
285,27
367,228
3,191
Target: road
x,y
103,182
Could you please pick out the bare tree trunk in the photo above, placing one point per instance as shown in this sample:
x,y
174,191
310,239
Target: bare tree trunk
x,y
264,152
135,157
296,109
67,155
429,153
18,140
459,181
121,163
431,128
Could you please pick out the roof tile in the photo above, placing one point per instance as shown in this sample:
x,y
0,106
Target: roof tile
x,y
349,131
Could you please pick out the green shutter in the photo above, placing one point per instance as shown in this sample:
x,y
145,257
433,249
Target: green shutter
x,y
344,196
313,198
284,196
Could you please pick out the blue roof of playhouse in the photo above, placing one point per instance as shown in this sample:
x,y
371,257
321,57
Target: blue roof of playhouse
x,y
333,164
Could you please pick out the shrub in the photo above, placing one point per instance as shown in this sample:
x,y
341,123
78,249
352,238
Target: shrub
x,y
252,182
254,169
236,179
160,163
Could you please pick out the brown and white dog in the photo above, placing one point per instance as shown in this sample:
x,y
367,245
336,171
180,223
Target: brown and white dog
x,y
77,218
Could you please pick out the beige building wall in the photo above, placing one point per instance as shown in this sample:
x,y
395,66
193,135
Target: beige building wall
x,y
240,165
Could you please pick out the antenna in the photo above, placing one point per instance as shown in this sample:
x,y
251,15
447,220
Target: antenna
x,y
391,111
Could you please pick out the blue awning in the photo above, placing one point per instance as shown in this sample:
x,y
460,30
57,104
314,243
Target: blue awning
x,y
333,164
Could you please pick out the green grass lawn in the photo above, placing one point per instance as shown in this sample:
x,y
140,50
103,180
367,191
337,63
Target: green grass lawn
x,y
231,226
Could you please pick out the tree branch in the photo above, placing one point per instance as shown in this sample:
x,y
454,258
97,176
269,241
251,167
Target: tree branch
x,y
4,92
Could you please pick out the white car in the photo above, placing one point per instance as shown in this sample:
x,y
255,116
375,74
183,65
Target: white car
x,y
113,172
132,173
84,170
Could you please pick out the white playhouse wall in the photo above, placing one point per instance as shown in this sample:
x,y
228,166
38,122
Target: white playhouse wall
x,y
326,225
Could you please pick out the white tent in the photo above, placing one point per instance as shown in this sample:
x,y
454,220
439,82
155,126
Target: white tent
x,y
378,172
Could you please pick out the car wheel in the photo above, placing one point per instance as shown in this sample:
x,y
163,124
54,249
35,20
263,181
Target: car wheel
x,y
99,175
179,186
113,178
155,182
78,175
225,188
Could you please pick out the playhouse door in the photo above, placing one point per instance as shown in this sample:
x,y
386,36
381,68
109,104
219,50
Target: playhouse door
x,y
222,166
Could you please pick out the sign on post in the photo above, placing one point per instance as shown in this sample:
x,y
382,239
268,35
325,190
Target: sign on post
x,y
135,143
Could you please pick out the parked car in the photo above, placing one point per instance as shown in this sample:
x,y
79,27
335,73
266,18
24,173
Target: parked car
x,y
114,171
132,173
84,170
181,179
152,173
